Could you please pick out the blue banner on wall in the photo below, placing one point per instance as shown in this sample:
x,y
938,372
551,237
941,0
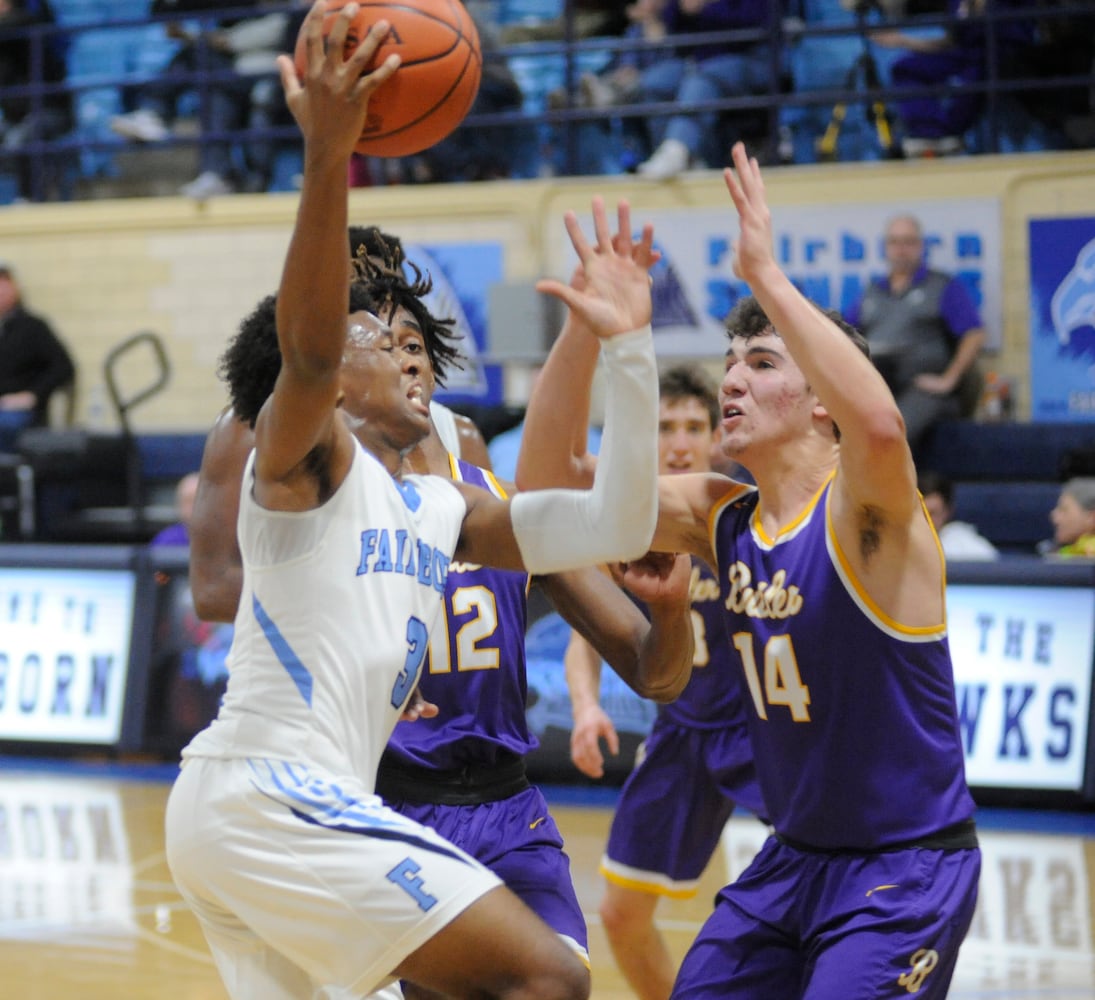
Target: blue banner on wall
x,y
461,274
1062,319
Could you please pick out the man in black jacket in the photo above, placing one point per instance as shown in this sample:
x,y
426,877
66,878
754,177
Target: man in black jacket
x,y
33,362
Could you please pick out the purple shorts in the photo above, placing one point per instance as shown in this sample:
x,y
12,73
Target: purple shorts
x,y
517,839
674,805
816,926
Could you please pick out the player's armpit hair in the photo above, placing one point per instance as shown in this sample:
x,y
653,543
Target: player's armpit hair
x,y
614,520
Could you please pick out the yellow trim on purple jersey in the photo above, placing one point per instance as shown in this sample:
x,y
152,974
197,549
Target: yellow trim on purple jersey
x,y
652,883
787,531
858,593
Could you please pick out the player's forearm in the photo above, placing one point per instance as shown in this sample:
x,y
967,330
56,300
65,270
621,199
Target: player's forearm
x,y
556,429
311,306
664,664
558,530
582,666
845,380
216,595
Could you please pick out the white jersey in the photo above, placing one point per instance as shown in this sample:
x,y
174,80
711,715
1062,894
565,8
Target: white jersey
x,y
445,421
334,619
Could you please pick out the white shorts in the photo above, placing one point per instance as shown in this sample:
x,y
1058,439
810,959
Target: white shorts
x,y
304,885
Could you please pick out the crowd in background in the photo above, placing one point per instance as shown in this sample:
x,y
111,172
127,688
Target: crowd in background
x,y
652,87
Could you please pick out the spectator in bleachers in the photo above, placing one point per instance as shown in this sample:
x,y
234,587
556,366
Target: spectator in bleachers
x,y
936,124
701,74
619,82
925,333
1073,519
25,119
961,541
33,362
614,145
835,62
1064,46
245,49
477,154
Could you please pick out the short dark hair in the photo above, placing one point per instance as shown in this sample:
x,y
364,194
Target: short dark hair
x,y
748,320
252,360
690,382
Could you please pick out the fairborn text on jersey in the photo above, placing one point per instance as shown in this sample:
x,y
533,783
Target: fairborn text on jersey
x,y
380,554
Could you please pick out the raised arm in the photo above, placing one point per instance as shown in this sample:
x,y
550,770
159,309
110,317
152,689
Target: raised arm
x,y
330,108
877,472
652,656
553,444
552,530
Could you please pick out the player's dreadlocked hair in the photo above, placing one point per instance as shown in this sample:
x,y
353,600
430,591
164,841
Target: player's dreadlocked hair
x,y
395,291
252,359
384,248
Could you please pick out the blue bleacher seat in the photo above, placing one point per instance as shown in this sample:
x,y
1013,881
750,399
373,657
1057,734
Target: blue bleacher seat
x,y
1013,516
967,449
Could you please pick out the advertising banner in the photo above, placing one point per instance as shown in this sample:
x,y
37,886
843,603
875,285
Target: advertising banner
x,y
64,653
830,251
1062,319
462,274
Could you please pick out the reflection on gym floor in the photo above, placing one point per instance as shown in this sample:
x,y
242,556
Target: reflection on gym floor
x,y
88,910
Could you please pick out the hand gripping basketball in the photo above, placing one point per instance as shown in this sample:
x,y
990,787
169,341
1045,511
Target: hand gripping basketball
x,y
435,86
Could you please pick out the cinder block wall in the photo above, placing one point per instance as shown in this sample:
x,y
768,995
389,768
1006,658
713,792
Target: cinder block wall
x,y
103,270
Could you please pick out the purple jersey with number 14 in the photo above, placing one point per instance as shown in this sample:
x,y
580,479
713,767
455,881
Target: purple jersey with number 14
x,y
853,717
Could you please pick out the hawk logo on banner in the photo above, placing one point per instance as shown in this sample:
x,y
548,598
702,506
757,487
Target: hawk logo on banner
x,y
1061,258
1073,305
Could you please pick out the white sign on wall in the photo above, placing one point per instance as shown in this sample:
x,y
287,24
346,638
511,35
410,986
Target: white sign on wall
x,y
64,653
830,251
1022,669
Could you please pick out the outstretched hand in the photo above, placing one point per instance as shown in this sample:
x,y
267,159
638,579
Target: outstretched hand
x,y
610,291
753,253
331,102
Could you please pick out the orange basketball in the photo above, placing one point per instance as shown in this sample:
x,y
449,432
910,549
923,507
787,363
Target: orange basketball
x,y
437,80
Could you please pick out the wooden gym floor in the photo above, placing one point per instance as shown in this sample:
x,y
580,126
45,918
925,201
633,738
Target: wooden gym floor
x,y
88,910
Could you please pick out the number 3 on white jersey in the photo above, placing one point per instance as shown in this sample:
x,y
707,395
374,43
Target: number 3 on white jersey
x,y
782,681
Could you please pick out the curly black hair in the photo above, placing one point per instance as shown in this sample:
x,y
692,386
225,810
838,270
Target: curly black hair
x,y
251,361
372,241
397,291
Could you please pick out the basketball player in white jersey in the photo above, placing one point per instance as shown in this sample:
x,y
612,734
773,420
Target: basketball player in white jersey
x,y
304,884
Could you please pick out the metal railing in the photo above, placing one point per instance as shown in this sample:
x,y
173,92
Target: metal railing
x,y
61,157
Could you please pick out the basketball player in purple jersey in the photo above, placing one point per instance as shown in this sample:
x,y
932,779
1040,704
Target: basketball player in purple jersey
x,y
697,755
462,771
833,586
